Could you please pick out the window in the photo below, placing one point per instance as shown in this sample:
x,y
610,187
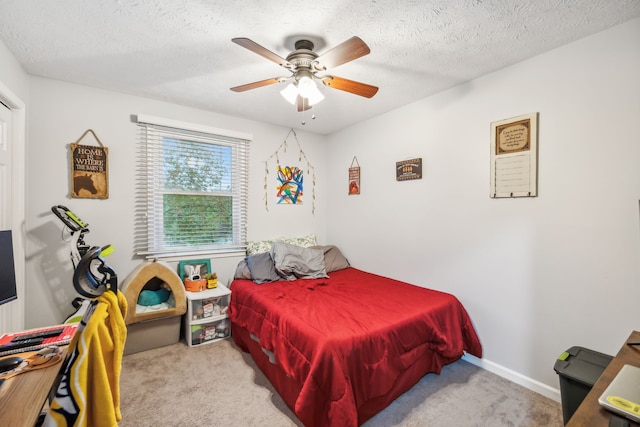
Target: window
x,y
191,195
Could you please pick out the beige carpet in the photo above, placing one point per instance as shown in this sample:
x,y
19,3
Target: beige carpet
x,y
219,385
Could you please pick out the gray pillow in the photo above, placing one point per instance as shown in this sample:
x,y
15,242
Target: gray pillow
x,y
261,268
293,261
333,258
242,271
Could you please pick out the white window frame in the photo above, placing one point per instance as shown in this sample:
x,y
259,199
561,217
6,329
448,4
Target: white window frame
x,y
149,221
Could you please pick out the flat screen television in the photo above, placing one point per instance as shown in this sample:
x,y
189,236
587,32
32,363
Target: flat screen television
x,y
7,268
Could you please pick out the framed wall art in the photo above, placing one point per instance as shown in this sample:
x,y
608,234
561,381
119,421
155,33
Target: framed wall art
x,y
514,155
409,169
290,185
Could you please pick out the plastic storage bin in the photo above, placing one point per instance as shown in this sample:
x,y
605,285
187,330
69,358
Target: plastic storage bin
x,y
578,369
207,304
201,333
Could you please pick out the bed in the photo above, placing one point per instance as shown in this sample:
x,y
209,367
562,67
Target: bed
x,y
339,345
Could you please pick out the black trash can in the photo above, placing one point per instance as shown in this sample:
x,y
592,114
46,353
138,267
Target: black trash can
x,y
578,368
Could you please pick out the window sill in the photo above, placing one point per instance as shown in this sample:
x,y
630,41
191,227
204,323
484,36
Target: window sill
x,y
186,255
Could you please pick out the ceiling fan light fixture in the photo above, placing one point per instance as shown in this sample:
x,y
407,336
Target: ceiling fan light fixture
x,y
314,95
307,89
306,86
290,93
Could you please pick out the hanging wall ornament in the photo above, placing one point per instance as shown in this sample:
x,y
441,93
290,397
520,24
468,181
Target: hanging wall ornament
x,y
89,169
289,187
354,177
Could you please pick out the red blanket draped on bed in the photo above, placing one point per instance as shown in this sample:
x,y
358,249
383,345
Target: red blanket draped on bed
x,y
347,342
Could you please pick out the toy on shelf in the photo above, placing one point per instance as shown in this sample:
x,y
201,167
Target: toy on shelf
x,y
194,282
197,275
212,280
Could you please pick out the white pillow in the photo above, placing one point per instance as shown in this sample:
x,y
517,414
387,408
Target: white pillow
x,y
259,246
304,241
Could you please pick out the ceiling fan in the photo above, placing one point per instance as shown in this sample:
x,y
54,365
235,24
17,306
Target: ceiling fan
x,y
306,66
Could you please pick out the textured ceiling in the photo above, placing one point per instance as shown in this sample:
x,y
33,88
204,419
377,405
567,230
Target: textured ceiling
x,y
180,51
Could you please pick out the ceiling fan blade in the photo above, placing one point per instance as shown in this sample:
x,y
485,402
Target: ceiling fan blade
x,y
255,85
350,86
303,105
347,51
262,51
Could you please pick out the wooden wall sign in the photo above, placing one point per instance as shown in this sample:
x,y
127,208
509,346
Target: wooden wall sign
x,y
89,170
409,169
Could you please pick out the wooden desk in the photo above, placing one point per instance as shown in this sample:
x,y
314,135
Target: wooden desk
x,y
23,396
590,413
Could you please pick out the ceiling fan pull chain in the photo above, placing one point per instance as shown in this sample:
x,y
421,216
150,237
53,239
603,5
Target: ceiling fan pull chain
x,y
304,122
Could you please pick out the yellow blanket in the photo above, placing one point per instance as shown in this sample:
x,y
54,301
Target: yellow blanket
x,y
89,392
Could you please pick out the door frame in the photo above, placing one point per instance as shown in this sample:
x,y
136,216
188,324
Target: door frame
x,y
13,315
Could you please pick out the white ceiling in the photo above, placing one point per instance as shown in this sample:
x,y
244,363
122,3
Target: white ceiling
x,y
180,51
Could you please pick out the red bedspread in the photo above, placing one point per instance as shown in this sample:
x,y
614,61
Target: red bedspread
x,y
347,340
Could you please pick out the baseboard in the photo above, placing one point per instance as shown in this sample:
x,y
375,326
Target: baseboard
x,y
513,376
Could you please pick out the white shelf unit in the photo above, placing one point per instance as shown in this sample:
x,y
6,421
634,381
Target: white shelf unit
x,y
206,319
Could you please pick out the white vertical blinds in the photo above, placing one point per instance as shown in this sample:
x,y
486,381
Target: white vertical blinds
x,y
191,189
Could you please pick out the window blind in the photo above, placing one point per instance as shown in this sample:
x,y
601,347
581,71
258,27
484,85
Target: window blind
x,y
191,189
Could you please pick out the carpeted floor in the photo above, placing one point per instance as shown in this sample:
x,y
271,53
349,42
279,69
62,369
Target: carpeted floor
x,y
219,385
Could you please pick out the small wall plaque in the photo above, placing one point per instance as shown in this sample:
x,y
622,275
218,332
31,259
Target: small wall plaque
x,y
409,169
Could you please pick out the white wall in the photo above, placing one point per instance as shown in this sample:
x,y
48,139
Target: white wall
x,y
12,75
537,275
58,115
